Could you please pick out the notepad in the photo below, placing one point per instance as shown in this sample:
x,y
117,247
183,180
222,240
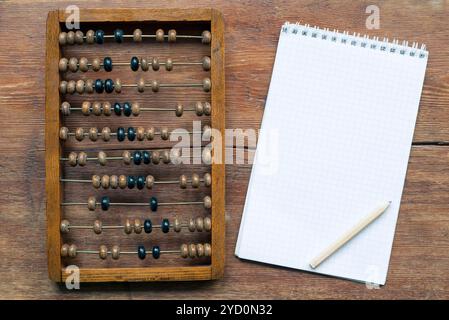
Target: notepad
x,y
334,143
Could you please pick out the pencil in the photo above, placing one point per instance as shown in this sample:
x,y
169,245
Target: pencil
x,y
349,235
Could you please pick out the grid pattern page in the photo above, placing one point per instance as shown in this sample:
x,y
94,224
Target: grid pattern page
x,y
334,145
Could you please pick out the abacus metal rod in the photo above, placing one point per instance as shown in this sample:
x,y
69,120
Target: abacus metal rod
x,y
127,252
166,85
157,226
180,36
121,158
143,109
136,204
155,182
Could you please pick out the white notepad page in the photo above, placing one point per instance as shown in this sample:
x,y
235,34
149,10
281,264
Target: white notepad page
x,y
334,145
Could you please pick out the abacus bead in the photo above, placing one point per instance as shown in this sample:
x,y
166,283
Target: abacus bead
x,y
172,35
70,37
144,65
96,64
155,86
184,250
156,157
150,133
73,64
103,252
90,37
102,158
65,226
99,86
169,64
82,159
140,133
80,86
93,134
141,85
156,251
137,226
207,179
195,180
134,63
79,35
96,108
206,63
117,109
206,84
72,159
165,225
96,181
206,37
166,156
105,203
120,134
199,250
183,181
118,35
153,204
107,110
155,64
141,253
84,64
137,157
91,203
207,108
147,226
137,35
199,223
149,181
64,250
122,181
63,87
207,132
207,250
131,182
135,109
108,85
72,251
191,226
128,228
63,63
63,133
177,225
126,157
79,134
206,156
192,251
115,252
207,224
118,85
160,35
99,36
131,134
113,180
127,109
107,64
165,134
207,202
62,38
71,86
105,182
98,226
199,110
89,86
179,110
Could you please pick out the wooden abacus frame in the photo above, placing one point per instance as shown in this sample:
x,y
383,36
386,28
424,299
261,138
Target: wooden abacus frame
x,y
53,149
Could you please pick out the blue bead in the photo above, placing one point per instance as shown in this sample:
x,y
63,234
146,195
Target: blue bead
x,y
117,109
131,182
99,86
153,204
140,182
165,226
108,85
156,252
127,109
120,134
134,64
99,36
147,226
137,157
146,157
131,134
107,64
141,252
105,203
118,35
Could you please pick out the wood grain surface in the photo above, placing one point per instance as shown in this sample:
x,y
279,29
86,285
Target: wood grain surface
x,y
419,266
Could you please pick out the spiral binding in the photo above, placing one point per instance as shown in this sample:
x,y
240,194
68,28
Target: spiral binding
x,y
356,39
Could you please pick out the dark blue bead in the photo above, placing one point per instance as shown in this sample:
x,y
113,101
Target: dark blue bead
x,y
131,134
107,64
120,134
153,204
137,157
146,157
131,182
108,85
134,64
165,226
117,109
140,182
156,252
105,203
99,36
99,86
118,35
147,226
127,109
141,252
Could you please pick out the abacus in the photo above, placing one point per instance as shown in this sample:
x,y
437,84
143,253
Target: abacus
x,y
123,202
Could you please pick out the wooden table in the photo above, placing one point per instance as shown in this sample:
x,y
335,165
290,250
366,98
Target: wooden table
x,y
419,266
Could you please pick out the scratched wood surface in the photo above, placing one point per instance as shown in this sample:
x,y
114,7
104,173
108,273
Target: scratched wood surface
x,y
419,265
